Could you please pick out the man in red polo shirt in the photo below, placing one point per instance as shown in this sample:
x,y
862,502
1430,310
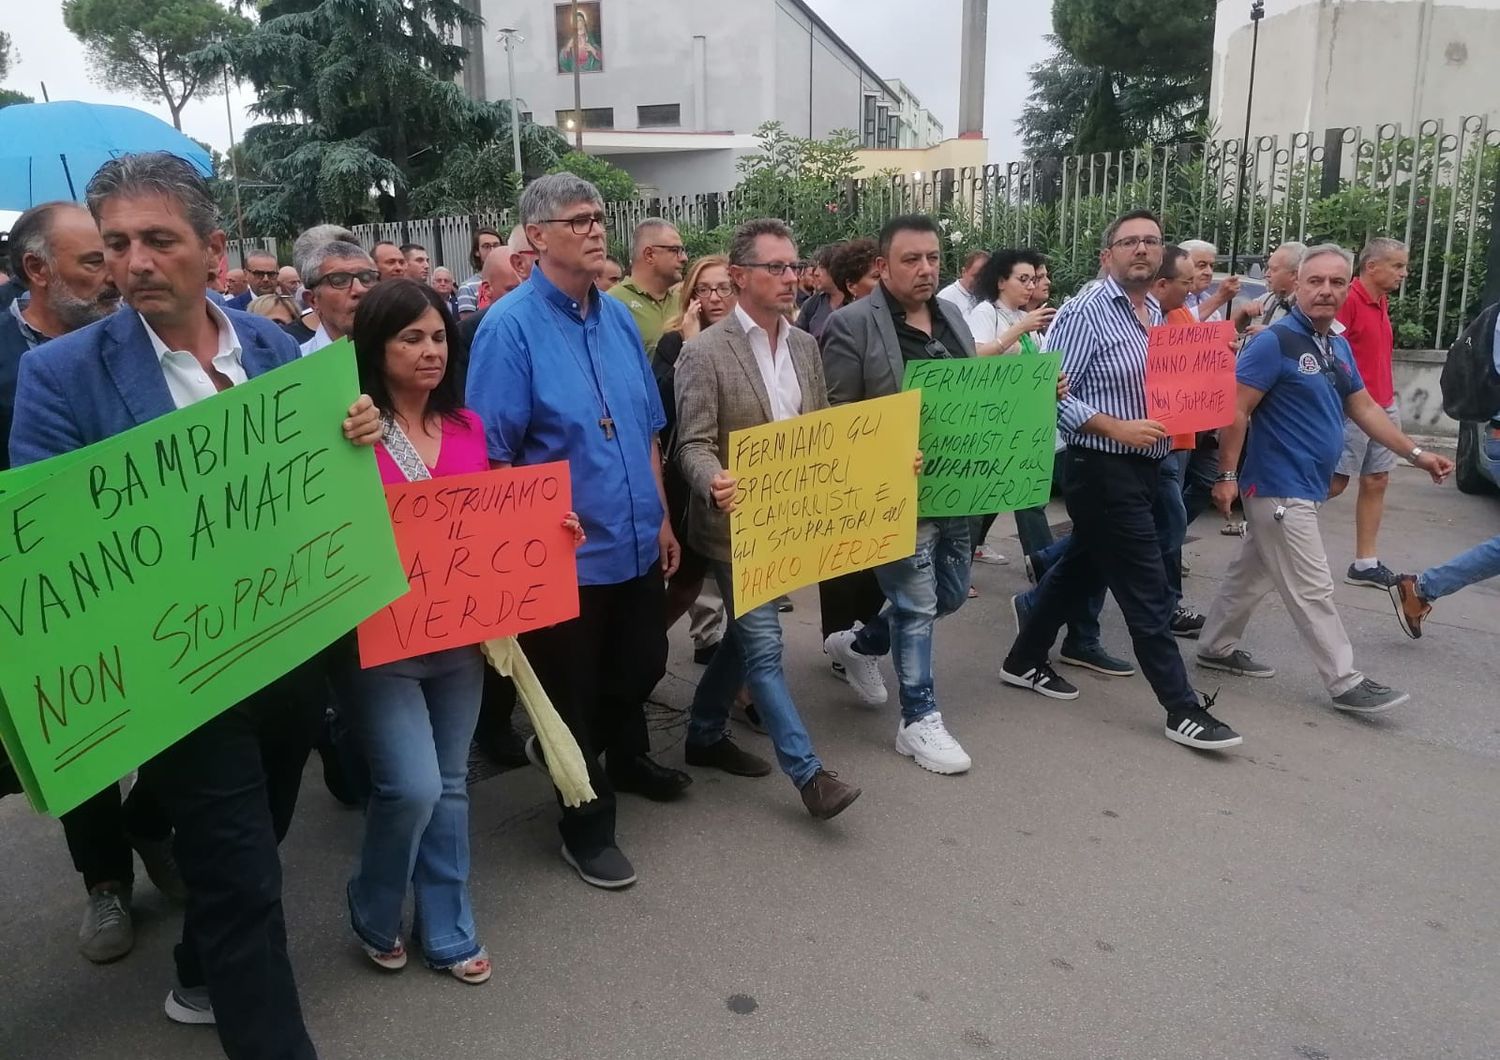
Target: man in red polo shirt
x,y
1367,325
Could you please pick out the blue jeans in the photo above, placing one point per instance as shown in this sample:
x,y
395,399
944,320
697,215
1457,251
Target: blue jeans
x,y
750,654
414,720
1172,519
1083,618
919,590
1478,563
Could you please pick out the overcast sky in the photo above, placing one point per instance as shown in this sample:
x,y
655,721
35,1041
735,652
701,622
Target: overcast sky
x,y
915,42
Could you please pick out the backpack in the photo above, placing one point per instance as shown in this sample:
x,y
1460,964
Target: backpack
x,y
1295,345
1471,389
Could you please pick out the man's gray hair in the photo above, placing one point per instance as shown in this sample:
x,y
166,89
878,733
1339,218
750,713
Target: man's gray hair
x,y
1292,250
258,252
441,268
1199,246
156,173
1323,250
644,233
311,266
1376,249
742,244
547,197
32,234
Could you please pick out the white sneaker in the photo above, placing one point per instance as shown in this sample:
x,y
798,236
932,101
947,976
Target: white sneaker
x,y
928,741
985,554
861,671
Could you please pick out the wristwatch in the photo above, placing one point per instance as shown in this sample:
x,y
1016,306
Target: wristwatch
x,y
1416,451
1227,476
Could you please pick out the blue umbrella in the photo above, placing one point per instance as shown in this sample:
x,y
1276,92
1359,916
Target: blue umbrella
x,y
51,150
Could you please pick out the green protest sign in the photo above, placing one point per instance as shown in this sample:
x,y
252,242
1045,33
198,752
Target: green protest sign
x,y
988,425
154,579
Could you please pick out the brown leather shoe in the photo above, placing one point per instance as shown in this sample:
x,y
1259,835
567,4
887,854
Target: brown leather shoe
x,y
726,755
825,795
1411,609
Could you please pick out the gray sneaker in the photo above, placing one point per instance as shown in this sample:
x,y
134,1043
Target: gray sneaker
x,y
1369,697
190,1004
107,933
1240,663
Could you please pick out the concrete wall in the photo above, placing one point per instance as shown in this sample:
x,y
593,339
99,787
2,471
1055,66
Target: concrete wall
x,y
1417,374
950,154
681,172
644,65
1326,63
807,59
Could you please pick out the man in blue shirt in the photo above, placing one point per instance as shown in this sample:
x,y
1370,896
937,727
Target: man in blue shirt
x,y
557,372
1297,382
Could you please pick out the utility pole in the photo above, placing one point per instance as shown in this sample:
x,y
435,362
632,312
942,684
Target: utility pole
x,y
234,173
577,82
510,39
1257,12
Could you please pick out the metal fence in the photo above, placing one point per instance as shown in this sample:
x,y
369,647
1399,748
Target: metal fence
x,y
1436,190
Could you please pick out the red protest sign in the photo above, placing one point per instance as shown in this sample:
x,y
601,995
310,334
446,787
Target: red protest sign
x,y
1190,376
485,555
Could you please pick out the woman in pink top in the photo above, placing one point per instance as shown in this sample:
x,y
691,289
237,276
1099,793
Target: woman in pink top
x,y
414,718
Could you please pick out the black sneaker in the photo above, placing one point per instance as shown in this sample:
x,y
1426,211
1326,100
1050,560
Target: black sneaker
x,y
1370,697
1377,577
1187,623
1096,659
608,868
1196,727
533,750
1041,679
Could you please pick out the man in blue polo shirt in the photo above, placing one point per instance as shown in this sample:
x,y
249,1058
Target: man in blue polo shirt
x,y
557,372
1297,382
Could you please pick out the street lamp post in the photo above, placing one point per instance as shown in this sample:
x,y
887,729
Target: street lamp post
x,y
510,38
577,83
1257,12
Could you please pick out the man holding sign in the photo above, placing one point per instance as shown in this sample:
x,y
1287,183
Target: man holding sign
x,y
230,784
866,348
1297,382
1112,465
750,368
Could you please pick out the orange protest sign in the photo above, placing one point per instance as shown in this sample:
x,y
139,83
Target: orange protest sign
x,y
1190,376
485,556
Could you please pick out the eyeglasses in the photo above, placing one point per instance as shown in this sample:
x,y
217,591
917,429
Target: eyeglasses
x,y
677,249
1025,281
263,274
723,290
340,281
581,225
775,268
1131,242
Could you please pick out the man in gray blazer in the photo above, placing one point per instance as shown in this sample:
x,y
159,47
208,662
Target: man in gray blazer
x,y
749,369
866,347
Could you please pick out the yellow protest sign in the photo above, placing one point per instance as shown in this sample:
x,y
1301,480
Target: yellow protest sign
x,y
821,495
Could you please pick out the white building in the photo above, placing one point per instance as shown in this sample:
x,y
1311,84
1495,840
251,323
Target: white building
x,y
673,90
1343,63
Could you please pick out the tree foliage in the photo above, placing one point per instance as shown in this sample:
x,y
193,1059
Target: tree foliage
x,y
364,118
1122,72
10,96
7,54
150,47
797,178
614,184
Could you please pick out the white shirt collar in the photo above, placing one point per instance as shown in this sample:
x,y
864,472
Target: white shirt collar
x,y
229,343
749,325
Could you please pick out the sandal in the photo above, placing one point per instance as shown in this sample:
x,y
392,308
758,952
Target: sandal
x,y
477,969
393,961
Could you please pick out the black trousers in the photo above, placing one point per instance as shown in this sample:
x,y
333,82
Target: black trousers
x,y
230,788
1111,500
848,599
96,831
598,670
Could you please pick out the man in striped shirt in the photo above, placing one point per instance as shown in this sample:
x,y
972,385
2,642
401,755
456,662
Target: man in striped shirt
x,y
1113,461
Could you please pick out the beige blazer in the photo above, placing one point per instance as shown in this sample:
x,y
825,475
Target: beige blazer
x,y
719,389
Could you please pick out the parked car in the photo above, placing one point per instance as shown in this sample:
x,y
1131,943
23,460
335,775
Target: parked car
x,y
1472,473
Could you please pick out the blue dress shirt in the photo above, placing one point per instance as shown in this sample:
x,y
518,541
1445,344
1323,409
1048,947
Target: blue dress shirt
x,y
542,375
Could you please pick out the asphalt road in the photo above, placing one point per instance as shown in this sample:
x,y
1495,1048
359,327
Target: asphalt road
x,y
1088,890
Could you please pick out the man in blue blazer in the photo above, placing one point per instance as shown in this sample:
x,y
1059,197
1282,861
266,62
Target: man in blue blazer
x,y
230,785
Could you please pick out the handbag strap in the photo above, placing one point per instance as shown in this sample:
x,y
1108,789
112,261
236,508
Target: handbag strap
x,y
396,443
